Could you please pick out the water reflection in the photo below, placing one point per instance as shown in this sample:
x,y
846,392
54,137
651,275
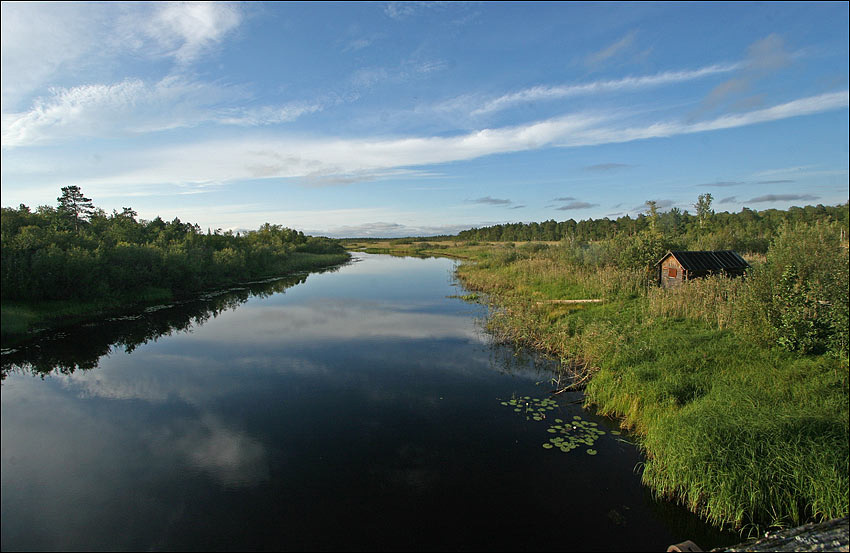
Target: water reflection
x,y
358,410
82,347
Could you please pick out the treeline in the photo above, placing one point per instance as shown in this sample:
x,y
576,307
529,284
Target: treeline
x,y
794,296
77,251
747,231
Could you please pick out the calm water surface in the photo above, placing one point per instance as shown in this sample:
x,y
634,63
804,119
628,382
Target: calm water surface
x,y
348,410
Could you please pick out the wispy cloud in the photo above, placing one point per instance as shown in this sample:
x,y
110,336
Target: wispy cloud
x,y
540,93
133,106
720,184
400,10
487,200
405,9
357,44
185,30
612,50
764,57
563,199
785,170
40,39
795,108
607,167
783,198
726,184
729,200
576,205
264,115
229,160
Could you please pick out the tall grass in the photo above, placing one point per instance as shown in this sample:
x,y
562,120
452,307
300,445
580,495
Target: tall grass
x,y
740,430
714,300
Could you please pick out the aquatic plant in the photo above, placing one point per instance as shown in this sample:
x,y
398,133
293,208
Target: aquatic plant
x,y
532,408
571,434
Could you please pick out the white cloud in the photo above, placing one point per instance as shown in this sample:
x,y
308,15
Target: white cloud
x,y
185,30
55,43
225,161
543,93
803,106
37,40
133,106
265,115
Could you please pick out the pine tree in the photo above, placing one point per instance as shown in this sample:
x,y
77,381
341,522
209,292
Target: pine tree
x,y
74,206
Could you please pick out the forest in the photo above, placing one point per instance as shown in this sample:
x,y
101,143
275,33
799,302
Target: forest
x,y
747,231
65,263
78,251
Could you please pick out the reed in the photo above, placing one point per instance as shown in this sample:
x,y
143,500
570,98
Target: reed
x,y
745,433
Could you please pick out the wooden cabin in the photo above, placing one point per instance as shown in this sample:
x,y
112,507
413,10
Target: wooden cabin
x,y
676,267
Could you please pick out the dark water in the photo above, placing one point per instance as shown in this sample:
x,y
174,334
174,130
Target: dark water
x,y
350,410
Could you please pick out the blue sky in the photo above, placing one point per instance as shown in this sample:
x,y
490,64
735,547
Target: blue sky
x,y
417,118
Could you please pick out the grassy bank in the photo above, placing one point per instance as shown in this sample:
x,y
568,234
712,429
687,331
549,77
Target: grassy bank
x,y
746,433
22,319
743,432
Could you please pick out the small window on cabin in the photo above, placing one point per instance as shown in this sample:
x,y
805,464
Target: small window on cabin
x,y
671,272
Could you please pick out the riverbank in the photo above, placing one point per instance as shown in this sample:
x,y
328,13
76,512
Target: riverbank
x,y
746,434
22,320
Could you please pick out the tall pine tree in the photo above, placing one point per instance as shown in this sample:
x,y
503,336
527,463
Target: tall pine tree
x,y
73,206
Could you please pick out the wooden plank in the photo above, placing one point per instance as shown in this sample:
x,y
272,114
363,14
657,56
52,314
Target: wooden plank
x,y
567,301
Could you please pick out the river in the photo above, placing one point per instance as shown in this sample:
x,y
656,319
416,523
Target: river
x,y
356,409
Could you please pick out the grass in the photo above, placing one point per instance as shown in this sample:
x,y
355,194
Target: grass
x,y
748,435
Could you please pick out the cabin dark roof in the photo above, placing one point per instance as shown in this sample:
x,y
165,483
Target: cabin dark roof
x,y
699,262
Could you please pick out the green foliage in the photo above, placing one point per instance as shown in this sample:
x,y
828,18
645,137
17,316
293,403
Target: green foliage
x,y
737,389
796,318
74,207
798,297
641,250
703,208
78,252
747,231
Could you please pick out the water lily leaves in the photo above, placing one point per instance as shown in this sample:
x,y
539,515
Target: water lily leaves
x,y
533,408
569,435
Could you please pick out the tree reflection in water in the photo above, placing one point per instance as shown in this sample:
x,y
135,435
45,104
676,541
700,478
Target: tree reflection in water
x,y
81,347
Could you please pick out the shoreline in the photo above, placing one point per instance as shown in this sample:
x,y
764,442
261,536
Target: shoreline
x,y
26,321
692,428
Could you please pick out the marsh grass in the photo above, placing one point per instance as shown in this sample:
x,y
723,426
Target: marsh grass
x,y
746,434
713,300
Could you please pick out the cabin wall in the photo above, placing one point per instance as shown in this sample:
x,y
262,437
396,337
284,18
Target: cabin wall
x,y
671,274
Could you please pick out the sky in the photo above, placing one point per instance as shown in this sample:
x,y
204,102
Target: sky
x,y
391,119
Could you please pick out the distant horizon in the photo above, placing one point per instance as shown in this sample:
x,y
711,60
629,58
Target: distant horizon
x,y
637,214
417,119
